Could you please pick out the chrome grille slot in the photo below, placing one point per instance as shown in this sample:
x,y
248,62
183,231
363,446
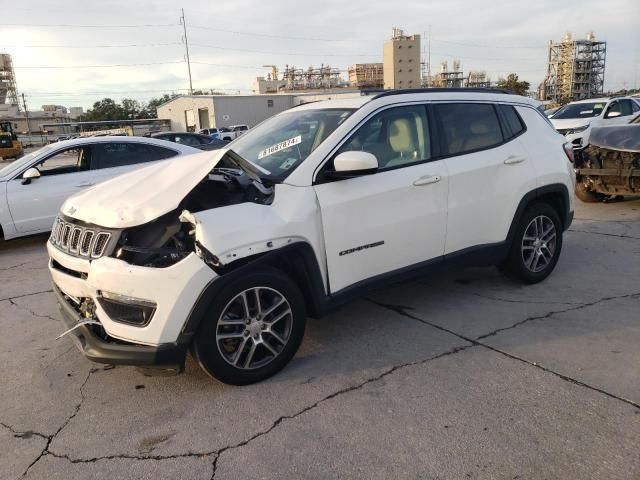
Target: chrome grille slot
x,y
80,240
59,234
100,244
65,236
87,240
75,239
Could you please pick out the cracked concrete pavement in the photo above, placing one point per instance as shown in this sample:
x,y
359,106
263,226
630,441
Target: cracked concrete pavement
x,y
463,375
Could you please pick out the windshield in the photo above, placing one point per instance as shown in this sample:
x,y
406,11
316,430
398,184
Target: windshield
x,y
579,110
283,142
16,165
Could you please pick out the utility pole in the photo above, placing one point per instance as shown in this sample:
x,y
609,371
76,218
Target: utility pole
x,y
26,114
186,44
429,59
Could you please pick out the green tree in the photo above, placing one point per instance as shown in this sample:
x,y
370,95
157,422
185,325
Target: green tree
x,y
150,109
514,84
105,109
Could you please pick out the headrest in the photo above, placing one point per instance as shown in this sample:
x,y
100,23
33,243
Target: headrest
x,y
401,135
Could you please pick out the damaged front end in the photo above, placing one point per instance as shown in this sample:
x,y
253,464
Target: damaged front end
x,y
172,237
610,165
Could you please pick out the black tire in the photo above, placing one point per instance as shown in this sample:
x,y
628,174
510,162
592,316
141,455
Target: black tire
x,y
586,195
207,350
516,265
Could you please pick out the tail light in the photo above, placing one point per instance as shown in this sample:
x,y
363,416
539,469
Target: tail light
x,y
568,150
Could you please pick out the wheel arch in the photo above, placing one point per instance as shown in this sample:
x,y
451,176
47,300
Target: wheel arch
x,y
556,195
297,260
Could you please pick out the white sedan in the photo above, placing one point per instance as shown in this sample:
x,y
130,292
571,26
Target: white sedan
x,y
33,188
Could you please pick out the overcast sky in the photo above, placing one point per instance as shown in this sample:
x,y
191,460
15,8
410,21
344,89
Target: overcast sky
x,y
231,40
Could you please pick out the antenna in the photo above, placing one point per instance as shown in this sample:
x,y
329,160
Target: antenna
x,y
186,44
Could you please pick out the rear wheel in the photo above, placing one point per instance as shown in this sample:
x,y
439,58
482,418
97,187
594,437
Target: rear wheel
x,y
587,195
253,328
536,245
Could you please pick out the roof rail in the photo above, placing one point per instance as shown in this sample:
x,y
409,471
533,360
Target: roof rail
x,y
387,93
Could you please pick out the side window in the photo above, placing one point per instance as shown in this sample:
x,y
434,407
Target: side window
x,y
512,119
626,107
122,154
635,108
187,140
398,136
67,161
467,127
615,109
161,153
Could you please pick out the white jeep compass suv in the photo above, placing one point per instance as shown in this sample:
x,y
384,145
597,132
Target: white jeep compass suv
x,y
227,252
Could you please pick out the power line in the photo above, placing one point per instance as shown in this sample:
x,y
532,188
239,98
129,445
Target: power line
x,y
218,47
267,35
96,46
121,65
544,46
69,25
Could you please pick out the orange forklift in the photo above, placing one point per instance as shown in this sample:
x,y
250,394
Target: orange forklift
x,y
10,146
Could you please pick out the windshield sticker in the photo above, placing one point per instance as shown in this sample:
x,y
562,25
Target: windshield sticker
x,y
280,146
288,164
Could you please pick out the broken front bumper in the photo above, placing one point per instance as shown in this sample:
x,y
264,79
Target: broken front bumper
x,y
173,291
98,350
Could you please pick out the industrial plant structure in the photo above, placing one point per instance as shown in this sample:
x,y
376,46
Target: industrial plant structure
x,y
8,87
401,59
366,75
575,69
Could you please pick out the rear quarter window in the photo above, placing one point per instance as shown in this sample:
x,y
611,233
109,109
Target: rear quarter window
x,y
468,127
515,125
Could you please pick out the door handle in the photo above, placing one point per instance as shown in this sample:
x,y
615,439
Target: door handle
x,y
85,184
427,180
513,159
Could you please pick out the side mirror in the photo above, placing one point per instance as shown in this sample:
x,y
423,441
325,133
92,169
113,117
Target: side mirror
x,y
30,174
613,114
353,164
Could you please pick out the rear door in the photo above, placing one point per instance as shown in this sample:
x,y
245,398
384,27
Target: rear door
x,y
489,171
395,218
34,205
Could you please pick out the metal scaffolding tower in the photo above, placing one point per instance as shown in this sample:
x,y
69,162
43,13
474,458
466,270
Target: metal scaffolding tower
x,y
575,69
8,87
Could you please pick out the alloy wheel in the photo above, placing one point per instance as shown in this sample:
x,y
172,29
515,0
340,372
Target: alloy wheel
x,y
538,243
254,328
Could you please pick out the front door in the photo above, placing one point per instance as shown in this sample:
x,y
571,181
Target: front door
x,y
34,205
395,218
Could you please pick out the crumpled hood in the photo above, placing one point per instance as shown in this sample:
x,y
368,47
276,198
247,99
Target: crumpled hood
x,y
142,195
564,123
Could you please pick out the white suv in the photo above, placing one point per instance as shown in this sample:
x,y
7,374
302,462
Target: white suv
x,y
227,252
575,119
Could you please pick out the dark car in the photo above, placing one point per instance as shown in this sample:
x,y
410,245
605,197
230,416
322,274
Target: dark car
x,y
196,140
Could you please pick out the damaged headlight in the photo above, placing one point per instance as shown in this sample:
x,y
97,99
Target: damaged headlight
x,y
158,244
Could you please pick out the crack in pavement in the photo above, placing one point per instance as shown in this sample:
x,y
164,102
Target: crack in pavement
x,y
50,438
26,434
555,312
605,234
343,391
509,300
401,310
25,295
28,310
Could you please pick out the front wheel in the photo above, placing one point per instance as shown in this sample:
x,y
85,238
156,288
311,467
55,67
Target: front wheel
x,y
536,245
253,328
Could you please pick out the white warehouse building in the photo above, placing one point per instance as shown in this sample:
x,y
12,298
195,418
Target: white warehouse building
x,y
195,112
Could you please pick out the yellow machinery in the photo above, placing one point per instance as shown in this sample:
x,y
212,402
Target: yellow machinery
x,y
10,147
